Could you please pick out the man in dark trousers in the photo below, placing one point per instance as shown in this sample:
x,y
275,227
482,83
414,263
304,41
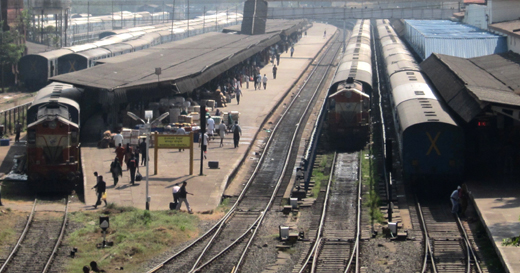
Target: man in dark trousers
x,y
17,130
274,71
238,93
132,166
237,132
182,197
142,148
100,187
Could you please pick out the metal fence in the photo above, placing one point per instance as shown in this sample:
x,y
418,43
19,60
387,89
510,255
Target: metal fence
x,y
13,115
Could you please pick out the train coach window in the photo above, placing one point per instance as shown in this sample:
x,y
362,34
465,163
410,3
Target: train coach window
x,y
410,73
419,93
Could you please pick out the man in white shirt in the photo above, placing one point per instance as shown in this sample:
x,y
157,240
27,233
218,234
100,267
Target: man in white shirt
x,y
264,80
222,132
118,139
210,127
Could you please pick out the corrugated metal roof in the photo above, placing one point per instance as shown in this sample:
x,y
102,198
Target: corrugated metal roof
x,y
452,38
504,67
449,29
191,62
469,85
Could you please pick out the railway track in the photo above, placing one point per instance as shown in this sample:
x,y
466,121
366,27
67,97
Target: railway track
x,y
447,247
336,248
224,247
39,241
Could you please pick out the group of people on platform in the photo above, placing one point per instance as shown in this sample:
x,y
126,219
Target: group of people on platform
x,y
228,85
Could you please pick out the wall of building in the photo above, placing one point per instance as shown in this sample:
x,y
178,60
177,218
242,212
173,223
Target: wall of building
x,y
513,44
504,10
476,15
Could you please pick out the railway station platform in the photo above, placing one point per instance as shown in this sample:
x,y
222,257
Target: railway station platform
x,y
497,202
173,166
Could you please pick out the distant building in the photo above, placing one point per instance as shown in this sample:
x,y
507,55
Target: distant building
x,y
11,9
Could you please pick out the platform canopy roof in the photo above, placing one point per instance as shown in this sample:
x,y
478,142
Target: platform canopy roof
x,y
470,85
285,27
186,63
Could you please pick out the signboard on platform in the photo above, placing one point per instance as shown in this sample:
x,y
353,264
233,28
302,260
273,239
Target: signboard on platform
x,y
173,141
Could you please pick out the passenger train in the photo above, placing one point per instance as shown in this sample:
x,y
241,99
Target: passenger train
x,y
84,27
349,95
53,147
431,144
36,69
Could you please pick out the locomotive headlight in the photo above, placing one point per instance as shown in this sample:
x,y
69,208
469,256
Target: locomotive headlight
x,y
52,124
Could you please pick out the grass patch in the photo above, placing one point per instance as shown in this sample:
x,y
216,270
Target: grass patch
x,y
370,178
8,234
318,178
138,236
223,206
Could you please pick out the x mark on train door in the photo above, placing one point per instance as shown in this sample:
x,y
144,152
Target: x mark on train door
x,y
72,68
433,143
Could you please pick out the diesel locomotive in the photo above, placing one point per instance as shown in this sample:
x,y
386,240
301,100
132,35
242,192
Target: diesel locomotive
x,y
53,154
349,95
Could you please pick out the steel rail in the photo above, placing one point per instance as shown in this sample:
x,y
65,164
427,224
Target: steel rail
x,y
470,252
428,252
219,225
355,252
313,252
287,158
234,243
60,238
22,236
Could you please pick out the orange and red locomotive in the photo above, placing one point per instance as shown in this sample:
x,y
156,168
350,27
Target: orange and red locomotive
x,y
53,155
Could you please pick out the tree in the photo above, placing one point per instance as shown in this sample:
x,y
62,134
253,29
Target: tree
x,y
10,50
12,45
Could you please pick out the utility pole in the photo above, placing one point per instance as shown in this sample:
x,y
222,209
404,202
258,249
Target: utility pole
x,y
88,20
188,18
173,18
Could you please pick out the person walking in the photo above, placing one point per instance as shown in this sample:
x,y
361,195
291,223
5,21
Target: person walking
x,y
180,131
17,130
182,197
210,123
325,34
246,79
132,166
237,132
277,59
100,187
454,197
238,93
292,50
264,81
175,192
116,170
128,154
142,148
275,69
222,133
118,139
204,144
120,153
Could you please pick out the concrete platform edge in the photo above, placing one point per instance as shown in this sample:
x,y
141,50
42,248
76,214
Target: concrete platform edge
x,y
268,116
481,217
